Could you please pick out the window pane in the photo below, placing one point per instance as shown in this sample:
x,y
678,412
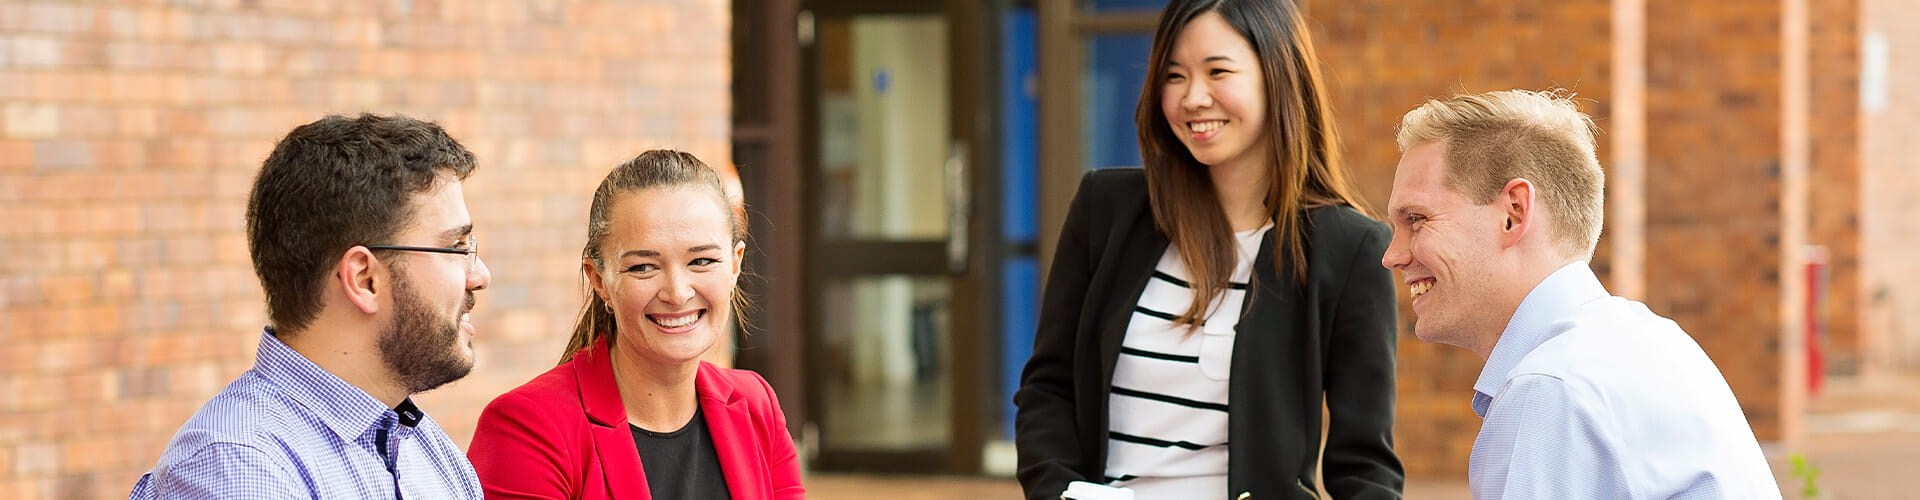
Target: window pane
x,y
1116,66
883,130
886,388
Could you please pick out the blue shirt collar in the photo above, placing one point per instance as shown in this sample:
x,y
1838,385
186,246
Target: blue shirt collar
x,y
1553,299
344,408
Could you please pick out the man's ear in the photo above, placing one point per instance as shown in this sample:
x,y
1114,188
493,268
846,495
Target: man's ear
x,y
1516,200
362,278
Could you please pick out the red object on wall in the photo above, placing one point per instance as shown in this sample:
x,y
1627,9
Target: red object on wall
x,y
1816,325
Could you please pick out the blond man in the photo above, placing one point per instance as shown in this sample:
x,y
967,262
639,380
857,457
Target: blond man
x,y
1496,208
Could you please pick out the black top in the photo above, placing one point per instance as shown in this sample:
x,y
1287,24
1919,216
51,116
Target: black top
x,y
1328,341
681,464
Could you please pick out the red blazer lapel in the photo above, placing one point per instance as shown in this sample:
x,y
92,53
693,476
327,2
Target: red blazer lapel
x,y
734,438
607,418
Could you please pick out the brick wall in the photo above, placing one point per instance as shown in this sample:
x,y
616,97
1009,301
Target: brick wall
x,y
1890,143
130,133
1835,181
1720,207
1730,156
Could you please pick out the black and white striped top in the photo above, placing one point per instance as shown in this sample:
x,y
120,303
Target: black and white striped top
x,y
1167,414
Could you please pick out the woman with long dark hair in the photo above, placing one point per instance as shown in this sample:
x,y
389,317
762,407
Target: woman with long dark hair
x,y
1201,311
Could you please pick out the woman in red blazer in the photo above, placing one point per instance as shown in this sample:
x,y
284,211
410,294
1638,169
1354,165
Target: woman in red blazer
x,y
631,411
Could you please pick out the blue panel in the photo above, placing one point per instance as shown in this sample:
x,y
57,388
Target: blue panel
x,y
1020,315
1019,212
1153,5
1020,130
1115,70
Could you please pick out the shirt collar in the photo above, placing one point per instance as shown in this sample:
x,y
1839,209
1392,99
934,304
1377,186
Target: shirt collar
x,y
1554,298
345,409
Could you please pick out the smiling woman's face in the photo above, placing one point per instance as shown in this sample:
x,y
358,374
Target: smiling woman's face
x,y
1213,94
669,275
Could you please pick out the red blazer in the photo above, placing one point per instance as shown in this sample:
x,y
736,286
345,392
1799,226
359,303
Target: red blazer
x,y
564,434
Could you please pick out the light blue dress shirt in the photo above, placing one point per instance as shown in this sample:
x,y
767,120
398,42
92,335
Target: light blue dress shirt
x,y
290,429
1590,396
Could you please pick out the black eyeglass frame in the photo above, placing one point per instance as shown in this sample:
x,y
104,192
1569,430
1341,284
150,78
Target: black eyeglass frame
x,y
472,251
403,248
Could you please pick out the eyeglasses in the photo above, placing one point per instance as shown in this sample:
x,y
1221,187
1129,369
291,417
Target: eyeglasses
x,y
469,247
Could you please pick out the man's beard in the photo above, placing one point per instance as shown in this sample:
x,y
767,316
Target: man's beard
x,y
421,348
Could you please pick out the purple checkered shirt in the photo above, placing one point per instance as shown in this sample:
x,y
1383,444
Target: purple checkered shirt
x,y
289,429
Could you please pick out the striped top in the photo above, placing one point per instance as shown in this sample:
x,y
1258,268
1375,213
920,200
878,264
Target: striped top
x,y
1167,413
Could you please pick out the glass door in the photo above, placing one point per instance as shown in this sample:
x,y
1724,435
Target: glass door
x,y
890,254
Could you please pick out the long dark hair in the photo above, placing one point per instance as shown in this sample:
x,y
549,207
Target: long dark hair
x,y
658,168
1305,147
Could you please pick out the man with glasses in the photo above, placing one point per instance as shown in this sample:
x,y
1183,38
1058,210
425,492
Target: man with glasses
x,y
359,232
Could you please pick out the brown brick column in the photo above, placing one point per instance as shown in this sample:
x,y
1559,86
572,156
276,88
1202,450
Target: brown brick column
x,y
1623,246
1834,179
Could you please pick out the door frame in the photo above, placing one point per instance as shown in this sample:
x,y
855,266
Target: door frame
x,y
970,359
1064,27
766,148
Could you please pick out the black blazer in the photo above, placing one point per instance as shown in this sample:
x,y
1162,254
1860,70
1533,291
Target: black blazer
x,y
1333,338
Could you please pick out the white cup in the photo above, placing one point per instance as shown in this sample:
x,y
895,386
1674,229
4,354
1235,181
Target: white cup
x,y
1082,490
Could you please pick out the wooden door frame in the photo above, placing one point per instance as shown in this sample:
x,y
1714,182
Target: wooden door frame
x,y
766,144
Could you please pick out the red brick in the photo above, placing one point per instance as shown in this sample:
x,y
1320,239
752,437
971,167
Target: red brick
x,y
32,392
119,154
22,488
19,222
89,256
91,319
89,453
169,350
60,355
12,422
184,152
14,359
188,250
118,284
231,250
15,154
143,383
36,458
137,122
138,252
20,187
67,288
36,320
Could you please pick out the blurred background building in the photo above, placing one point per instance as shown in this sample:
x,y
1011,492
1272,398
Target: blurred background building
x,y
906,166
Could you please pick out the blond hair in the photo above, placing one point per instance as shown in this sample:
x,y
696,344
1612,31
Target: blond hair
x,y
1495,137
